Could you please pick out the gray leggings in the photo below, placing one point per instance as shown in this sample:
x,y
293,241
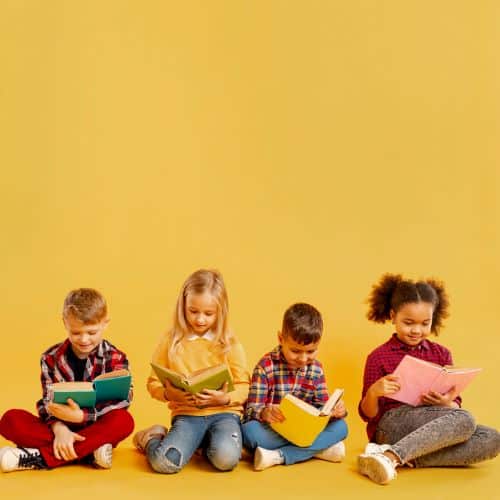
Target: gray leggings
x,y
434,436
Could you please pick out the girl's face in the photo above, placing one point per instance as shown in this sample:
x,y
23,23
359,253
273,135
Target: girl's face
x,y
413,322
201,312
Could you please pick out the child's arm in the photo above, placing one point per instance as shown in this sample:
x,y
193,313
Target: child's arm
x,y
384,386
47,377
160,357
376,384
237,362
258,395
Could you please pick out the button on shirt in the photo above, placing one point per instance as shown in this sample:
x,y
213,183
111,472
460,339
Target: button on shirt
x,y
384,360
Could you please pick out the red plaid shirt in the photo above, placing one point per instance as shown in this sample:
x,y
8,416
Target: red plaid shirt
x,y
273,378
384,360
55,368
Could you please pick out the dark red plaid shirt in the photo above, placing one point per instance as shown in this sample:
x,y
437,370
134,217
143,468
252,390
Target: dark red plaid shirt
x,y
55,368
384,360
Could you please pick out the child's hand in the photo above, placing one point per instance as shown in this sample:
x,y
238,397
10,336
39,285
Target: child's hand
x,y
64,440
437,399
68,413
208,397
339,410
385,386
172,393
271,414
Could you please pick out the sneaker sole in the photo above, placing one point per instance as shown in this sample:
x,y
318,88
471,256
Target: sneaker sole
x,y
368,466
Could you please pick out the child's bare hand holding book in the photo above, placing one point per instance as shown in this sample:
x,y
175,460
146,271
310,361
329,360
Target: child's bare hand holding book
x,y
70,412
438,399
202,399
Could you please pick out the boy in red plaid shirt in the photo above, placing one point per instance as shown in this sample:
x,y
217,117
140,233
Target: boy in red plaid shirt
x,y
292,368
65,432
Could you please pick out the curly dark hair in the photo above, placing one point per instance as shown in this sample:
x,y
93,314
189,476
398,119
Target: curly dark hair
x,y
393,291
303,323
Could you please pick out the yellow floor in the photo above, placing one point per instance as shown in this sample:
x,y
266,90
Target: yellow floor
x,y
130,477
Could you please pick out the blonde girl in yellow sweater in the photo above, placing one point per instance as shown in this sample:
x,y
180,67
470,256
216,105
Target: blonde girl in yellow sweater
x,y
199,338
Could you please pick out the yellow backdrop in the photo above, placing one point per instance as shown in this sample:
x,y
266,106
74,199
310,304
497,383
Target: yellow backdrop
x,y
302,148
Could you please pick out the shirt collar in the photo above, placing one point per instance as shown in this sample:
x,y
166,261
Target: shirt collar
x,y
210,336
397,345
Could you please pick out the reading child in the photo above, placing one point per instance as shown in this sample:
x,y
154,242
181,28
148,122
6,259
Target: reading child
x,y
63,433
199,338
292,368
435,433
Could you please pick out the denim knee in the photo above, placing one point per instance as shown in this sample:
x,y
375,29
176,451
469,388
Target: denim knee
x,y
166,462
249,436
465,421
224,458
226,454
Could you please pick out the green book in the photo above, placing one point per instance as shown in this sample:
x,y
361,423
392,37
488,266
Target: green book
x,y
212,378
106,387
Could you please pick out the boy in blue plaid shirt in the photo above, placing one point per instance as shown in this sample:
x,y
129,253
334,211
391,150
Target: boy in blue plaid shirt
x,y
291,368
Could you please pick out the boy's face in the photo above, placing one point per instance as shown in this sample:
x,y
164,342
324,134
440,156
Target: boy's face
x,y
297,355
413,322
84,338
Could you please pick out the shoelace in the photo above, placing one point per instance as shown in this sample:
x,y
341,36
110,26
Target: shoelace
x,y
29,460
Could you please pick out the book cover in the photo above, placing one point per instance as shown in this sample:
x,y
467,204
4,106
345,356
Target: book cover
x,y
418,377
303,422
112,386
106,387
212,378
82,393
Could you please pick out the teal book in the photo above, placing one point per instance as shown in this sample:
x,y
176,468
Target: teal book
x,y
212,378
107,387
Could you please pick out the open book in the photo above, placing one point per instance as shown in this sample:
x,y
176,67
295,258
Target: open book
x,y
109,386
212,378
418,377
303,422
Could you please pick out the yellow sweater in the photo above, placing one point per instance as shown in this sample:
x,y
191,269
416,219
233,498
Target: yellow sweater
x,y
193,355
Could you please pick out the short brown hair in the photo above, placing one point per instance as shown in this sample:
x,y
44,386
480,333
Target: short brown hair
x,y
303,323
85,304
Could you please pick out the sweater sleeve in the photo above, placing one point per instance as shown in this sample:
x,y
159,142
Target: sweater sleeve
x,y
160,357
237,363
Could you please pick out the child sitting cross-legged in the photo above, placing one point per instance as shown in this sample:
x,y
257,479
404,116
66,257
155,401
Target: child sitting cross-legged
x,y
291,368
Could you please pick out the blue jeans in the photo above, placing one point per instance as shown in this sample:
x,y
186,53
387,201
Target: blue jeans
x,y
219,435
260,434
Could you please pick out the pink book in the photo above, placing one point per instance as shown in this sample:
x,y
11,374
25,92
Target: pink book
x,y
418,377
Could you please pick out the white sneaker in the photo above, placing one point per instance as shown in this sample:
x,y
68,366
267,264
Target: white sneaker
x,y
378,467
372,448
103,456
264,459
12,459
141,438
336,453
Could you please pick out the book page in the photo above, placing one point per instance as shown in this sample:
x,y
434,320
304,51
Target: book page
x,y
303,405
72,386
116,373
332,401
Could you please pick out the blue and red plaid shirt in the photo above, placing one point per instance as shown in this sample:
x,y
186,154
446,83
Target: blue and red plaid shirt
x,y
55,368
272,379
384,359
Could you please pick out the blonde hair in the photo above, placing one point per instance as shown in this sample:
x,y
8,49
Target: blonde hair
x,y
85,304
201,281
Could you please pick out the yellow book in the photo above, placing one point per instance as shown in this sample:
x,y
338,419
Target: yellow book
x,y
303,422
